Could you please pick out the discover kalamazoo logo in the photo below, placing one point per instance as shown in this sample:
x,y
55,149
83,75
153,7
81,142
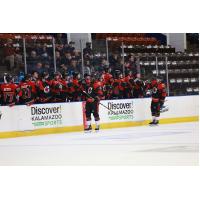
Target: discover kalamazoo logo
x,y
121,111
46,116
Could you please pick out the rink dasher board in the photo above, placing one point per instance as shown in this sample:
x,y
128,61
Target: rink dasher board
x,y
69,117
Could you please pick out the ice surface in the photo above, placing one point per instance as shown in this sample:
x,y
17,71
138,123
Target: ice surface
x,y
171,144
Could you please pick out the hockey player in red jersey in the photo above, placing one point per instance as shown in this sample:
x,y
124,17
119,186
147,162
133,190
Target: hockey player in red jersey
x,y
118,85
106,76
44,92
8,92
93,94
59,88
158,93
74,87
27,91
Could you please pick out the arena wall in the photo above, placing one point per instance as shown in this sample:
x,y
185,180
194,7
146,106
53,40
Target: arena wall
x,y
69,117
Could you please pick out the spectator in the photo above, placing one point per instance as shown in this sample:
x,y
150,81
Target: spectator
x,y
58,59
87,67
70,47
66,59
38,68
48,68
61,38
73,67
103,64
32,60
9,53
87,50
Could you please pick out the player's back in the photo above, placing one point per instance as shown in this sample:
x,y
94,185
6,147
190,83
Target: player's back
x,y
8,93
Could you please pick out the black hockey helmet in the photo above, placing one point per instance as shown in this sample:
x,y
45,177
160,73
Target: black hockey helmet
x,y
27,77
75,74
57,74
86,75
45,74
106,68
117,73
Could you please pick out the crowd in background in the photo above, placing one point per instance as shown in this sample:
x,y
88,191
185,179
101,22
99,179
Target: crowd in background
x,y
40,58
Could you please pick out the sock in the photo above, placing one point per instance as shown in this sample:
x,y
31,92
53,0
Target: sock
x,y
88,123
157,118
97,123
153,118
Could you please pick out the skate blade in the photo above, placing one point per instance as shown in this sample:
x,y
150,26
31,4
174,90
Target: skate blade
x,y
89,131
153,124
164,110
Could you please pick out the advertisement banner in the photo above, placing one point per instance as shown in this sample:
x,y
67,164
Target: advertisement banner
x,y
118,110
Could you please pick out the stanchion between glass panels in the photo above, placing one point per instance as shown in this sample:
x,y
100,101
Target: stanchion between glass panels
x,y
24,52
82,58
123,60
167,74
54,54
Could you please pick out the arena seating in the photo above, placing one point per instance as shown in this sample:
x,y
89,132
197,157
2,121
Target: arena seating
x,y
183,67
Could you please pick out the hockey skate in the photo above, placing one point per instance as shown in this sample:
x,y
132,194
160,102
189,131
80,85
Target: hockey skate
x,y
97,129
88,129
154,123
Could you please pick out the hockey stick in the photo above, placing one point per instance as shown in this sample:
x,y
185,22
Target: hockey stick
x,y
100,103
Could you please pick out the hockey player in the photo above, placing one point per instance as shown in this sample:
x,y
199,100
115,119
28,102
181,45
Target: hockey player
x,y
158,97
59,88
74,87
128,86
106,76
93,94
44,92
138,88
8,91
118,85
27,91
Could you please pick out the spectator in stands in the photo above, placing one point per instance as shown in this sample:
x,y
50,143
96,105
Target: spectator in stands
x,y
113,60
60,48
58,59
76,55
73,67
60,38
48,68
9,53
88,49
70,47
87,67
103,64
32,60
130,64
45,54
38,68
66,59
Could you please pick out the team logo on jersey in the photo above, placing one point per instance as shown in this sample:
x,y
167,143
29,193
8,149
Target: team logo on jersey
x,y
46,89
154,90
89,90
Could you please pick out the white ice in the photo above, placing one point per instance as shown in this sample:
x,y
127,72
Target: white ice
x,y
171,144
